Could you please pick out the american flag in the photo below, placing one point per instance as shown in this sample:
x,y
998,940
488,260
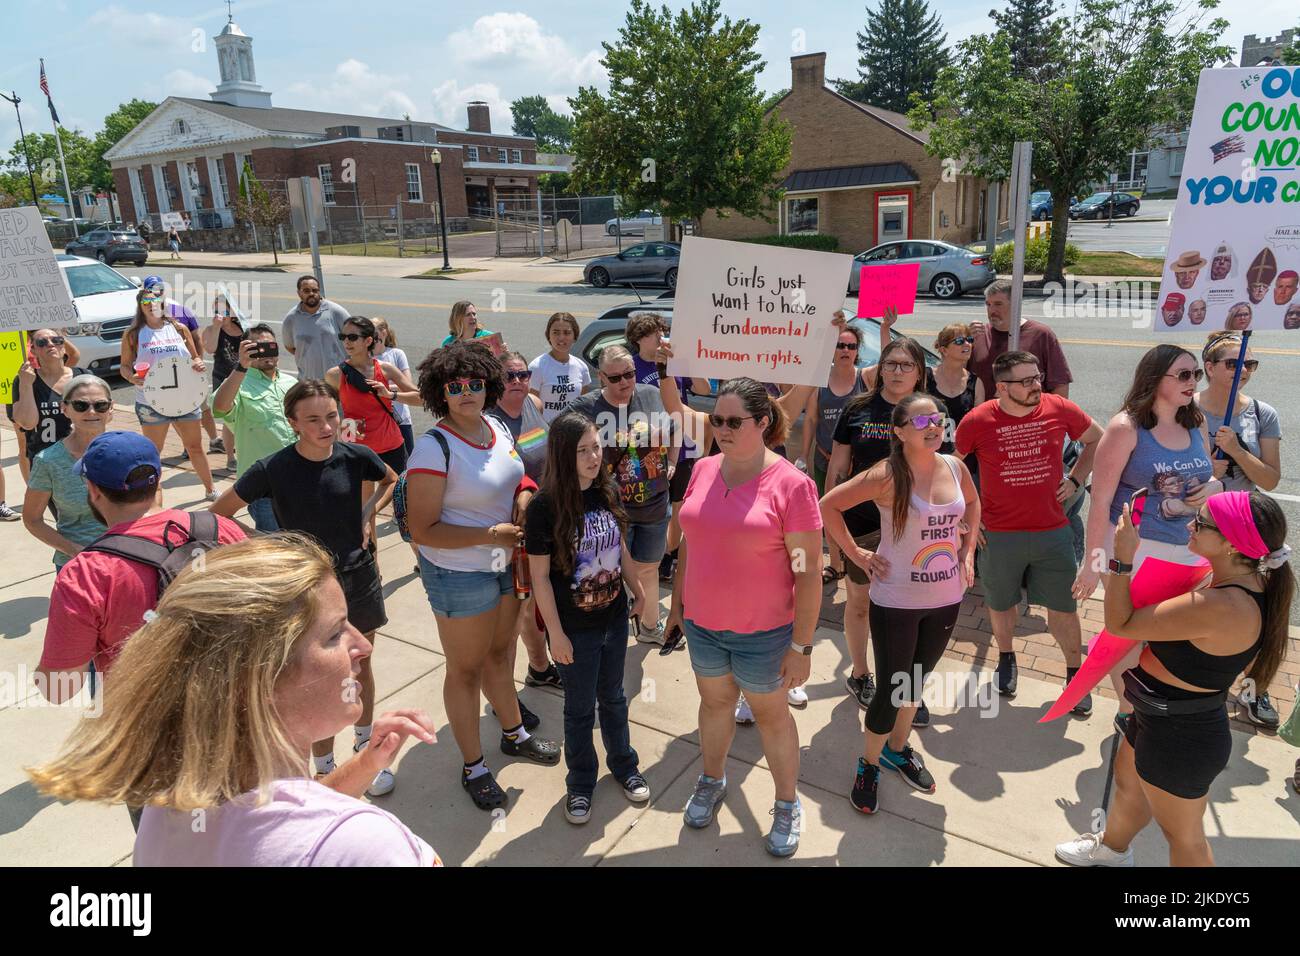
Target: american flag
x,y
1226,147
45,88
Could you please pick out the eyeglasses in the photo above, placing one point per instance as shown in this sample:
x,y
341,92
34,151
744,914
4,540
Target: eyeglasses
x,y
1229,363
920,422
351,336
898,366
457,386
1187,375
1200,524
732,422
847,346
1029,382
963,340
621,377
48,341
523,376
81,405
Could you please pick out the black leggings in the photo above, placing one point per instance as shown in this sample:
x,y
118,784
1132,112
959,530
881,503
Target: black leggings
x,y
905,639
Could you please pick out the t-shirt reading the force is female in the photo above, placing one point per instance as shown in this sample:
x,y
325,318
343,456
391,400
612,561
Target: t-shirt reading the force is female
x,y
593,592
558,383
322,498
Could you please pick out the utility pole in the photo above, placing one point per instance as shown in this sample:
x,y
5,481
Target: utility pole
x,y
436,158
1021,164
22,138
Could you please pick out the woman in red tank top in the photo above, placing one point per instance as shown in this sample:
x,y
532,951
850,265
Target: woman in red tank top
x,y
367,389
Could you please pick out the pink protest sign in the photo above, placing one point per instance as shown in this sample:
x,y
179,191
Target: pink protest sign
x,y
1154,582
885,286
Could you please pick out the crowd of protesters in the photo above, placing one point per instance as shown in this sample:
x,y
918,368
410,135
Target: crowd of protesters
x,y
547,506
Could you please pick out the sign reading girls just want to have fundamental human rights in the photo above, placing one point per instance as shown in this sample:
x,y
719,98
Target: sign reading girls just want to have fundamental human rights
x,y
743,308
1233,260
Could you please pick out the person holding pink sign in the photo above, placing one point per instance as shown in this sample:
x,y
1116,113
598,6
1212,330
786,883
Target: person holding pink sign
x,y
1178,741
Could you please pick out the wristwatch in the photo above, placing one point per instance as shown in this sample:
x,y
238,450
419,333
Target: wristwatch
x,y
804,649
1119,567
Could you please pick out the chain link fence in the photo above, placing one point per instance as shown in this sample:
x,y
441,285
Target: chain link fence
x,y
563,227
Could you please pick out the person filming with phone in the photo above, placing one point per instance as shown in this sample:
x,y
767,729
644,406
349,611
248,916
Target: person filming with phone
x,y
251,402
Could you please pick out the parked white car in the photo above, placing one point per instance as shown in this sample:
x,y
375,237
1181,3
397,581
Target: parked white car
x,y
633,225
105,304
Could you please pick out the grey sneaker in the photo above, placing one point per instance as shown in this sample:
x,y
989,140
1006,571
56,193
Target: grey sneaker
x,y
8,514
650,635
704,800
787,825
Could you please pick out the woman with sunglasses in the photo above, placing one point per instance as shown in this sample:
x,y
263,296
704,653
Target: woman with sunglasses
x,y
1156,445
37,409
955,385
1252,445
924,498
747,593
862,437
369,390
54,479
154,335
466,495
1177,741
463,323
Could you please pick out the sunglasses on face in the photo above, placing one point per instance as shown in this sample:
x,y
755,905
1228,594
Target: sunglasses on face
x,y
351,336
1230,364
1029,382
1187,375
81,405
45,342
457,386
847,346
519,376
898,366
963,340
921,422
1200,524
732,422
620,377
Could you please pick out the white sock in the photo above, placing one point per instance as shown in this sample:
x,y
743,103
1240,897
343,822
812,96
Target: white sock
x,y
324,764
518,734
473,771
362,736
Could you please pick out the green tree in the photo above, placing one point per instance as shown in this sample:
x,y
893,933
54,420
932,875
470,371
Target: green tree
x,y
775,98
257,207
682,128
901,52
534,117
78,153
116,125
1291,54
1117,70
1028,25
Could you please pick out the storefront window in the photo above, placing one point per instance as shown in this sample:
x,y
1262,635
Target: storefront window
x,y
800,215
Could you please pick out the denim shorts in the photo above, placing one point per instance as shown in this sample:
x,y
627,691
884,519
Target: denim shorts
x,y
463,593
646,542
753,660
148,416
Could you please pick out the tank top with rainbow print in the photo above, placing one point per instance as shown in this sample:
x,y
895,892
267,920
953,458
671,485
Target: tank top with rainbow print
x,y
924,568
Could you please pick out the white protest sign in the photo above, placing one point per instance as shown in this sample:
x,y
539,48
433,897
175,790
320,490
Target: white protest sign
x,y
33,293
743,308
1234,249
173,220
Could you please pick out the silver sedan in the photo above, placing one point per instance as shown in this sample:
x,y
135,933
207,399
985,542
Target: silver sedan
x,y
946,270
644,263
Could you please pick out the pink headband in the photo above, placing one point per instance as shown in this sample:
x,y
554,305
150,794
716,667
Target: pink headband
x,y
1231,513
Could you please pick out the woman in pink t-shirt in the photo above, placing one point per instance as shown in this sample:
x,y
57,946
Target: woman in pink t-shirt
x,y
179,735
748,596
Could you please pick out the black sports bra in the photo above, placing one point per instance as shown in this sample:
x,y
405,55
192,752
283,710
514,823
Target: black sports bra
x,y
1216,672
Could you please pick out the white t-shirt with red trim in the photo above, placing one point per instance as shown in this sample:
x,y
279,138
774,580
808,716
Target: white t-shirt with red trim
x,y
480,492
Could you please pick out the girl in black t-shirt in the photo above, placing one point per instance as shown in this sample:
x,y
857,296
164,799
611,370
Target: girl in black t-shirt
x,y
577,552
37,408
862,438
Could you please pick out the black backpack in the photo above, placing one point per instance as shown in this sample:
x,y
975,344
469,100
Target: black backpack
x,y
168,560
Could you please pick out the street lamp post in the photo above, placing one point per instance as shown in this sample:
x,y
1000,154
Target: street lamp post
x,y
23,139
435,157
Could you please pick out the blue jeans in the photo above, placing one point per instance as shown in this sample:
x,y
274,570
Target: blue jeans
x,y
595,679
263,515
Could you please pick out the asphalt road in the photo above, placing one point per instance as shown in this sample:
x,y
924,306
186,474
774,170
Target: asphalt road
x,y
1102,351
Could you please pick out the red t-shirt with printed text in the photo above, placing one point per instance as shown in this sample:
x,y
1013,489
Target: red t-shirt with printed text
x,y
1020,461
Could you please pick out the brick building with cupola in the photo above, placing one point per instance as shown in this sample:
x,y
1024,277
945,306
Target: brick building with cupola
x,y
186,156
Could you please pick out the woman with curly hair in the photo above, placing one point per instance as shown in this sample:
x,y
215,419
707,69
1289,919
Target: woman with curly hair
x,y
466,495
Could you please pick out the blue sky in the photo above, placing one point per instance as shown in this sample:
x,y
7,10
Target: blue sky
x,y
388,57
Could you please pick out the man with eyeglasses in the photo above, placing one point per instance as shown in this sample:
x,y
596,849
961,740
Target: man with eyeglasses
x,y
1025,536
1037,339
311,331
641,449
251,403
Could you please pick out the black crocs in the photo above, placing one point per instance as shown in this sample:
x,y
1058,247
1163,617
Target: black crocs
x,y
534,748
483,790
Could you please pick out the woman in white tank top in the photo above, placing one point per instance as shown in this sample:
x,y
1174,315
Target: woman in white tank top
x,y
919,573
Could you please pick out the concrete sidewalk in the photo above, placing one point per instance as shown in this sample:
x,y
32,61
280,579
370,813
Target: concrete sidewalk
x,y
1008,788
543,270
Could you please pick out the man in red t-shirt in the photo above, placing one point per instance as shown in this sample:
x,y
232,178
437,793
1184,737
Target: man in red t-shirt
x,y
1037,339
99,600
1019,437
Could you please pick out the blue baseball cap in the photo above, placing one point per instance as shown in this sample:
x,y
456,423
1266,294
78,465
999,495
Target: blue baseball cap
x,y
112,456
151,281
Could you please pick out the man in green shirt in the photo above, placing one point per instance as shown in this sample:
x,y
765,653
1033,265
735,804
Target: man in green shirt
x,y
251,402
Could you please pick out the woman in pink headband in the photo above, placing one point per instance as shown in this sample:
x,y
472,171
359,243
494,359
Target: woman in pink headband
x,y
1199,642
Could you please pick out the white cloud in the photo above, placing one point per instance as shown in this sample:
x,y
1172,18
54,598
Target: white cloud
x,y
449,100
517,37
353,88
185,83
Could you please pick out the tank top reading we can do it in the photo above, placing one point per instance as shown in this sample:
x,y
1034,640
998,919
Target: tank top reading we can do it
x,y
924,564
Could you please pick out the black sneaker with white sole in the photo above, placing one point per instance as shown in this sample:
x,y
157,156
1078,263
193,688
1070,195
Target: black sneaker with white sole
x,y
861,689
865,795
636,789
1260,711
577,808
547,678
1008,674
907,763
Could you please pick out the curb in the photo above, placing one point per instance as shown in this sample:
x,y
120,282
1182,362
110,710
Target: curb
x,y
230,268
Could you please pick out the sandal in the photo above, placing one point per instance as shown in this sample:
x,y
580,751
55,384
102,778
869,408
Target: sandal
x,y
830,575
534,748
483,790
